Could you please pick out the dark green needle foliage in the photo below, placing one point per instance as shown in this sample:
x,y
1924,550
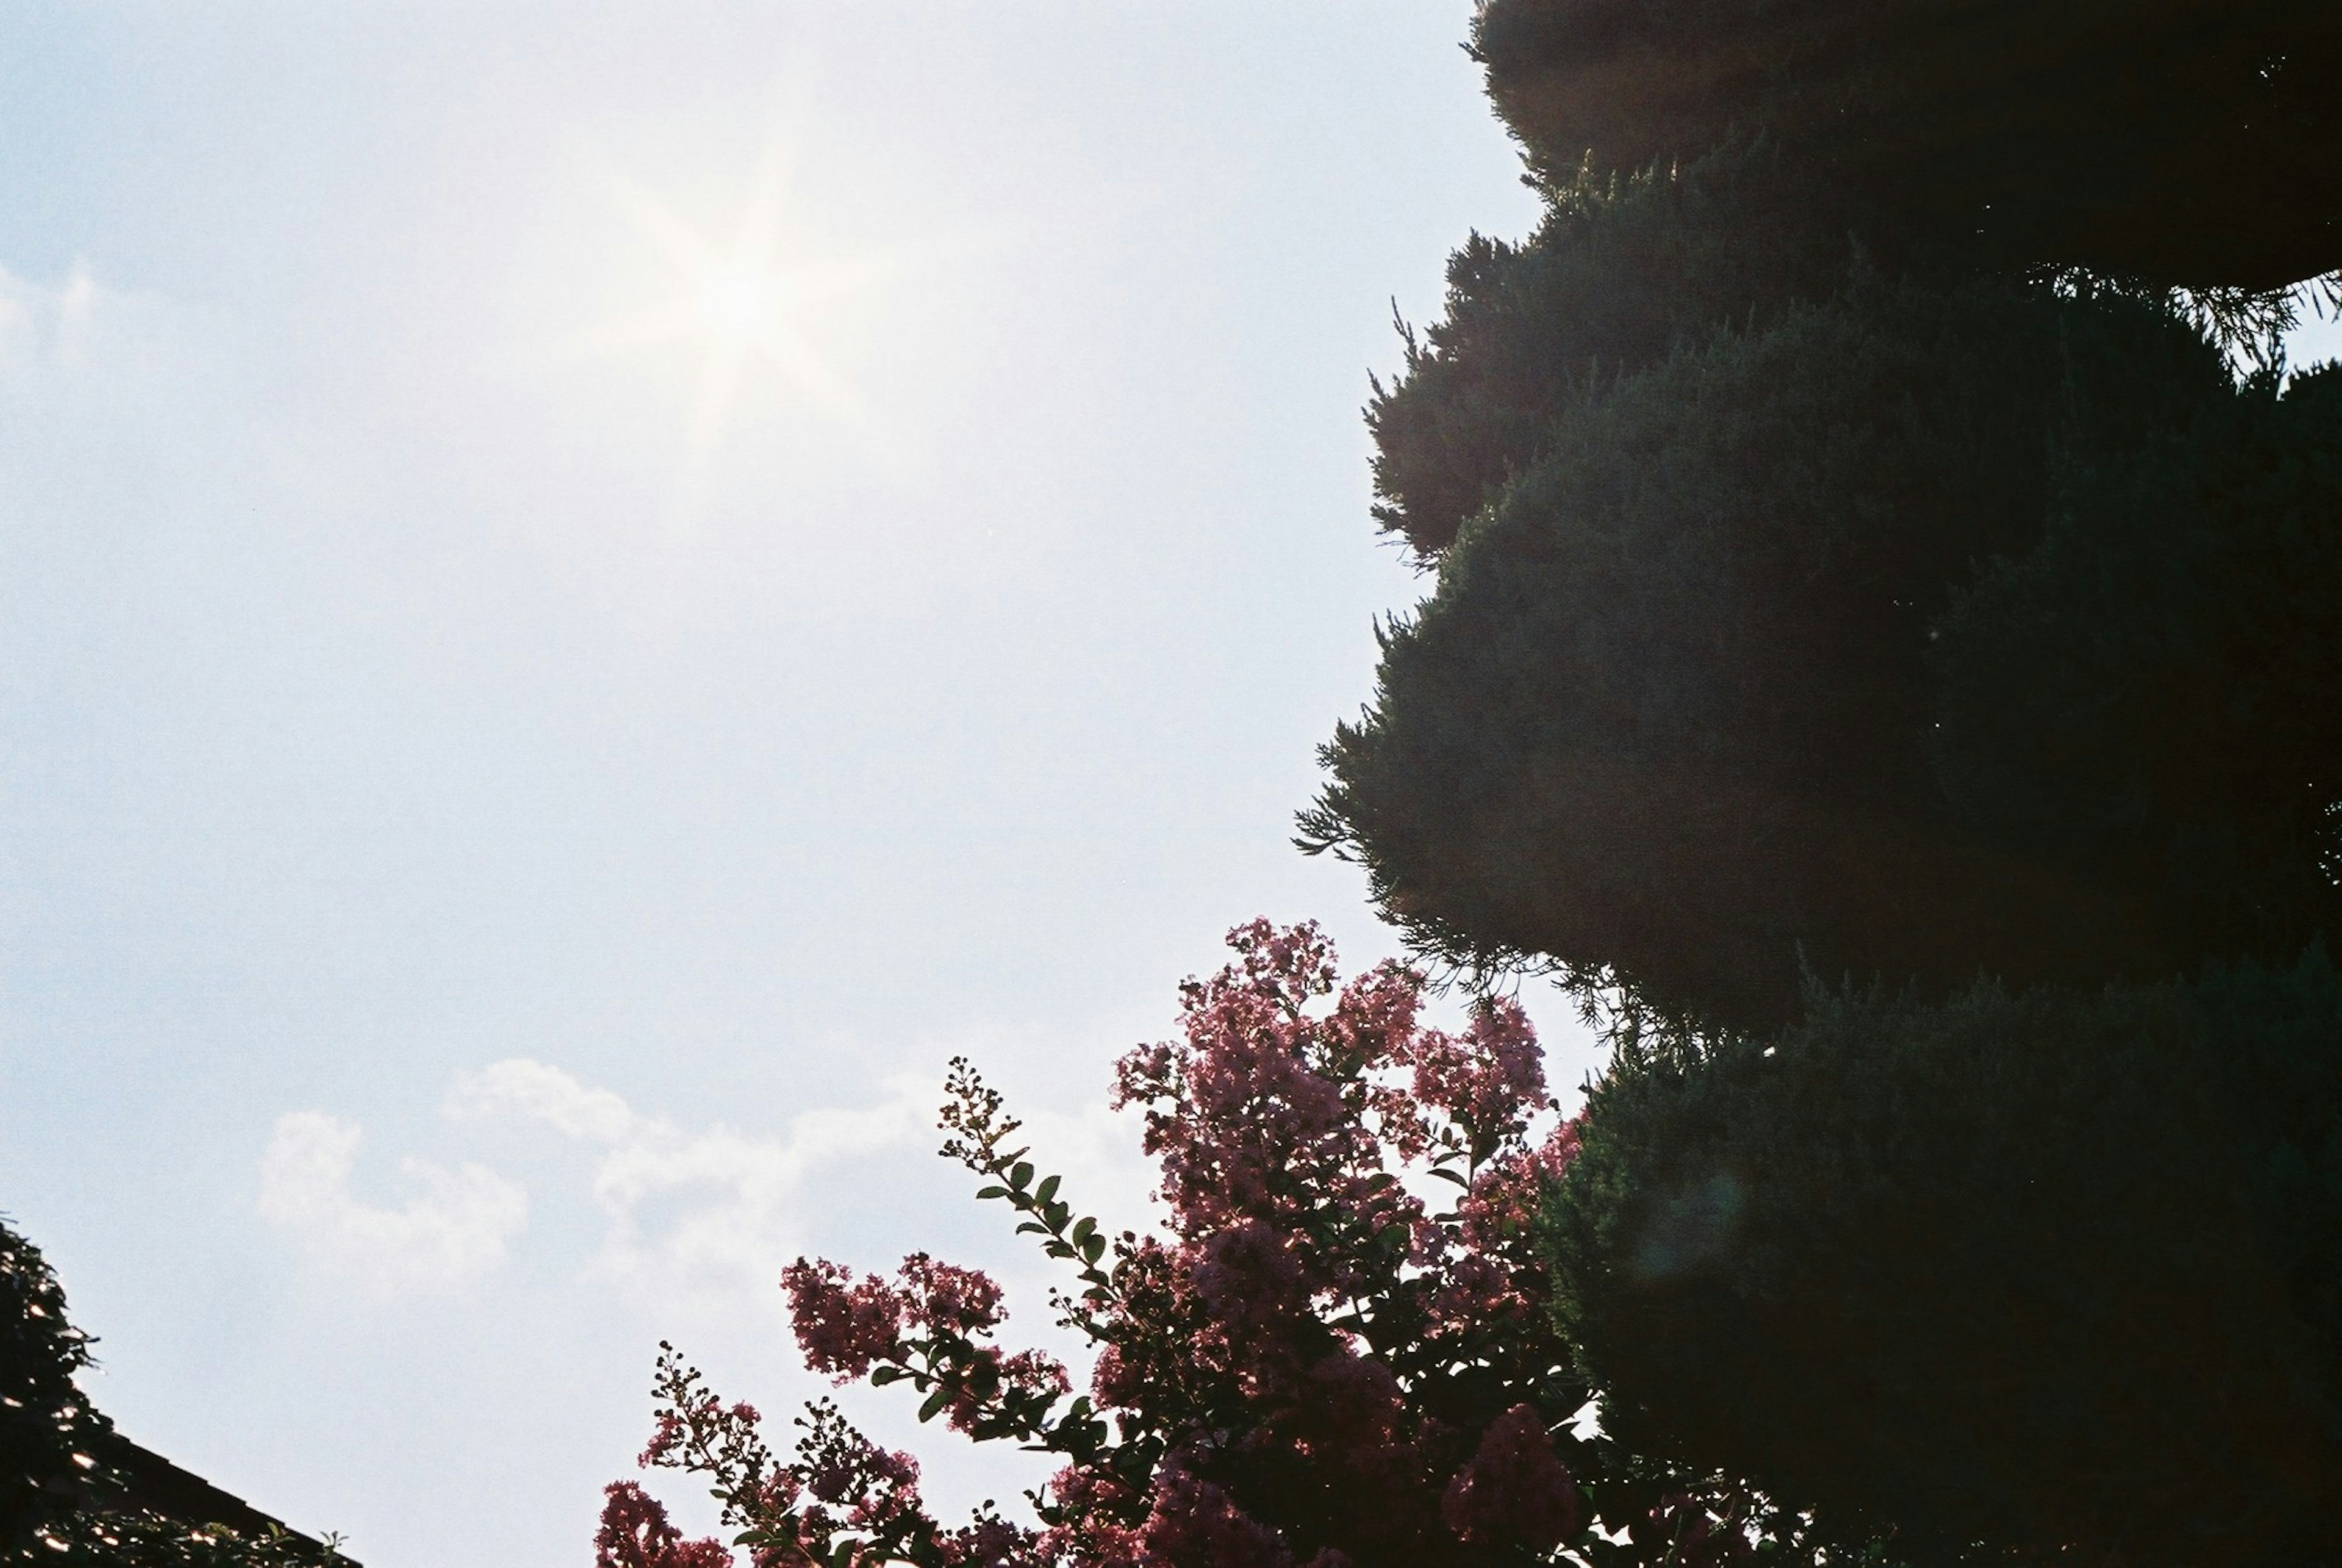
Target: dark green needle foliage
x,y
2187,141
1885,633
1669,711
1703,467
2050,1272
2150,700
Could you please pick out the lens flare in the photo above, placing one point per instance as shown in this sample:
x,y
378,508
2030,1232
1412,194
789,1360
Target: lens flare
x,y
743,308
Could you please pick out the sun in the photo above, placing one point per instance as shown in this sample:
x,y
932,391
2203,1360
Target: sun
x,y
740,304
743,307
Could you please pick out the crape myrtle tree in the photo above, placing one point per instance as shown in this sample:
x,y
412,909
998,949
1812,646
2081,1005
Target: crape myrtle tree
x,y
60,1500
1886,638
1336,1351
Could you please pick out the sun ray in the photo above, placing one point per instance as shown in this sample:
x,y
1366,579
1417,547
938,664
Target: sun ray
x,y
760,217
654,326
743,306
675,240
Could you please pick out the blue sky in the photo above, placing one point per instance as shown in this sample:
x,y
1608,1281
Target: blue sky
x,y
502,825
500,837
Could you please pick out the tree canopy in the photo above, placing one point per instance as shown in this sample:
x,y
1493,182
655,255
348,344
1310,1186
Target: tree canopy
x,y
1884,636
2051,1272
2182,141
1743,495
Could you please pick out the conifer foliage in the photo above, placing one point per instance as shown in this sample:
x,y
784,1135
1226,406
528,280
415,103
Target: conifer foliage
x,y
1885,634
2049,1273
2184,141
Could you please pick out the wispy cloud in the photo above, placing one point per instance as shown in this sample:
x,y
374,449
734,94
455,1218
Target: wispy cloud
x,y
708,1213
453,1227
60,326
703,1218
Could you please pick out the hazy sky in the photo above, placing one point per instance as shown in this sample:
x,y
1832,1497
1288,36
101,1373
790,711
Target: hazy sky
x,y
589,593
508,805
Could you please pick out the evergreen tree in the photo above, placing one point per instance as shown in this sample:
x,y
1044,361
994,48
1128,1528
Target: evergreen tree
x,y
1876,547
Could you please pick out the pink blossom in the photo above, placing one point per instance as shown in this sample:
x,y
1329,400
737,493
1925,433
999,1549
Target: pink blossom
x,y
636,1533
989,1542
988,1375
944,1299
1515,1490
1090,1501
1241,1115
1476,1292
1505,1194
1489,1081
1352,1417
1248,1285
843,1324
1196,1525
1282,1371
850,1476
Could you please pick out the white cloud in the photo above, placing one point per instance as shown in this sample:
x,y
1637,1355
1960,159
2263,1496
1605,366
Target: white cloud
x,y
453,1228
701,1218
62,326
541,1093
709,1215
78,303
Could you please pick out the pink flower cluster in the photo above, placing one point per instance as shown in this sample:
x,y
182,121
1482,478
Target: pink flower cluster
x,y
843,1324
1515,1489
1311,1367
635,1533
1488,1082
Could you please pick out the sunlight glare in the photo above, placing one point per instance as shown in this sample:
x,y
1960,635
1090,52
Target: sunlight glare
x,y
740,303
741,306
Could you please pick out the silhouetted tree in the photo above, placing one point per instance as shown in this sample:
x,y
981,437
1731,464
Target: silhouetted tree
x,y
45,1421
1877,546
2050,1274
73,1490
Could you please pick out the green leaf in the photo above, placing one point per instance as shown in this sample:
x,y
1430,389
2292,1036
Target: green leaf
x,y
1047,1189
993,1192
934,1401
1020,1176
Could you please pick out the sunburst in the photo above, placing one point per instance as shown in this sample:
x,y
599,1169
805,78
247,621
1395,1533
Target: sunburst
x,y
741,304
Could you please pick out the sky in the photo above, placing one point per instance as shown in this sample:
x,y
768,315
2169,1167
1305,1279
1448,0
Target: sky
x,y
587,594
